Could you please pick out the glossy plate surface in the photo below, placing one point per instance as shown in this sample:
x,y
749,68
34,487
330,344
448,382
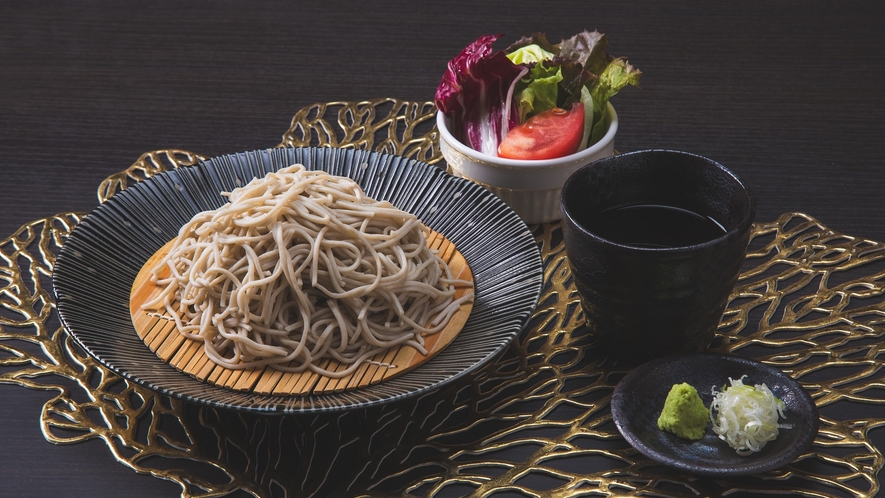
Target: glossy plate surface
x,y
639,397
99,262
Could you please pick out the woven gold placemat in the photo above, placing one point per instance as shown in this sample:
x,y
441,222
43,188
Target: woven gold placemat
x,y
535,422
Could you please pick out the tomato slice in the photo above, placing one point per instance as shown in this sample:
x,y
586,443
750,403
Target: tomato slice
x,y
550,134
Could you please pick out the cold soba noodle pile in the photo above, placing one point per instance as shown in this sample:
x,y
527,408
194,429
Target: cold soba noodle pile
x,y
301,266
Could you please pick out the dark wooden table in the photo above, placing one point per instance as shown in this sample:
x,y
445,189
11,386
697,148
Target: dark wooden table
x,y
787,94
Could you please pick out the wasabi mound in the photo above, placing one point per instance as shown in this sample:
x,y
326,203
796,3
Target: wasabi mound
x,y
684,413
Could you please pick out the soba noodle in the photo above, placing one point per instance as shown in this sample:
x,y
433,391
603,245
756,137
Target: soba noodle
x,y
301,266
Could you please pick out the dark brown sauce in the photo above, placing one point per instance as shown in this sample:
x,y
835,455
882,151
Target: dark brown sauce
x,y
654,226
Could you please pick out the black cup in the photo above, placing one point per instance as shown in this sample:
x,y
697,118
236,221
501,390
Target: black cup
x,y
642,302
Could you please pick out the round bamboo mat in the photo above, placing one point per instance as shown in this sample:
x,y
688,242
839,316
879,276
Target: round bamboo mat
x,y
157,329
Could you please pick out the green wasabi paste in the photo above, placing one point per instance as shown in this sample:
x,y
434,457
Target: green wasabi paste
x,y
684,413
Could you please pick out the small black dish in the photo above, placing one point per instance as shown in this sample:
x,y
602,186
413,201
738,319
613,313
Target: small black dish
x,y
639,397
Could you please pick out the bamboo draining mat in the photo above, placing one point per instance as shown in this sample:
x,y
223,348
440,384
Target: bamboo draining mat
x,y
187,355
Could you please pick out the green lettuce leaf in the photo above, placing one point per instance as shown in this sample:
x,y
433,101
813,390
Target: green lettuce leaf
x,y
541,93
618,74
537,91
529,54
552,81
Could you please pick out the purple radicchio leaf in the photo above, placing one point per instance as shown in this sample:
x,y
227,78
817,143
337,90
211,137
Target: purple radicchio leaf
x,y
476,94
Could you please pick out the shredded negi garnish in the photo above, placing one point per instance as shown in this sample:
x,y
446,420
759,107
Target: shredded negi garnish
x,y
746,417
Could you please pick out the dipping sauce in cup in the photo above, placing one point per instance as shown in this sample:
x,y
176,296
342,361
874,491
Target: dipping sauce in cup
x,y
655,240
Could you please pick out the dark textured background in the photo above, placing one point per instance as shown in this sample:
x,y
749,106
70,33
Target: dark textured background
x,y
787,94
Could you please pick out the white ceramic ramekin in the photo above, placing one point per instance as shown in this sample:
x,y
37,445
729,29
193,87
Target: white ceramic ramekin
x,y
531,188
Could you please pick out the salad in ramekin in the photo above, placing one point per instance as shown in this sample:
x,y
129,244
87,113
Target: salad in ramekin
x,y
519,121
534,100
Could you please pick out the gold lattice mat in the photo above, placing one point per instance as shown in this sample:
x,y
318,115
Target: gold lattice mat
x,y
535,422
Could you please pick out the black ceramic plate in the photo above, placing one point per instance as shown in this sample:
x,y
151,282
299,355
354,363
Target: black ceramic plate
x,y
99,262
639,397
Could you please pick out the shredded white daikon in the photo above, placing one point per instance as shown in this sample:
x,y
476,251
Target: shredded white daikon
x,y
746,417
